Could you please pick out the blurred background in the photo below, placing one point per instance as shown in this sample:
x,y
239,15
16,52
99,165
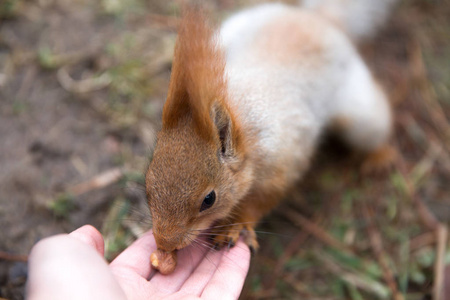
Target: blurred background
x,y
82,85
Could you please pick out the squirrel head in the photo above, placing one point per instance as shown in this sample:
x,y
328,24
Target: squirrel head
x,y
199,170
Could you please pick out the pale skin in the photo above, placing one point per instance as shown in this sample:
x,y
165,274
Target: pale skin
x,y
71,266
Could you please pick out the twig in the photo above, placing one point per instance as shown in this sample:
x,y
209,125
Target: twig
x,y
425,216
82,86
447,283
430,221
377,247
423,136
425,239
315,230
57,60
439,264
27,82
438,116
13,257
290,249
357,279
300,287
426,164
101,180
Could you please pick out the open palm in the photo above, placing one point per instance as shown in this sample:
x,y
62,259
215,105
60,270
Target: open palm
x,y
71,266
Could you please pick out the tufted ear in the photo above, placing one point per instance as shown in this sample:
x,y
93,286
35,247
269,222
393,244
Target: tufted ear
x,y
198,88
197,79
224,125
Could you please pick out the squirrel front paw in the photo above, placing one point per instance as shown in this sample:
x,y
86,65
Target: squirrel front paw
x,y
228,235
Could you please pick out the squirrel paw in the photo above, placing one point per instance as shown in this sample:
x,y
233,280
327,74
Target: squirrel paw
x,y
379,160
228,236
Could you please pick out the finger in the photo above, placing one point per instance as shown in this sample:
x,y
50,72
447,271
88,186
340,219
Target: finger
x,y
136,258
188,260
228,280
63,267
90,236
209,264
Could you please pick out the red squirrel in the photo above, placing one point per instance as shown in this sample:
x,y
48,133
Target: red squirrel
x,y
246,106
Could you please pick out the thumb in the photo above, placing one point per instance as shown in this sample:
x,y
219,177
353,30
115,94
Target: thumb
x,y
90,236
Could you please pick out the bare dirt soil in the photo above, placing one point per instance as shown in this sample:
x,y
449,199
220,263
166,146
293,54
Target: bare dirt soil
x,y
82,84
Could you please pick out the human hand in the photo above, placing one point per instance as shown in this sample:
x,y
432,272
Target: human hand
x,y
71,266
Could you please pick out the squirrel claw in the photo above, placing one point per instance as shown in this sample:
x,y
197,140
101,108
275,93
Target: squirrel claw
x,y
233,233
250,239
231,244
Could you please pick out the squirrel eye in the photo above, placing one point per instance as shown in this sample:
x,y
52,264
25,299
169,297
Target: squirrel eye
x,y
208,201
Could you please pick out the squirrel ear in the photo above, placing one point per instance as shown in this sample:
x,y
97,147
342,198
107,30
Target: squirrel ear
x,y
223,123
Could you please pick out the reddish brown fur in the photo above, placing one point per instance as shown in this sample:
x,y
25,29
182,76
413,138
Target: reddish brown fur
x,y
198,80
200,146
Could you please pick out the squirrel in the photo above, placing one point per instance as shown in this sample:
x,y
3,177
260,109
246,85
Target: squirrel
x,y
246,107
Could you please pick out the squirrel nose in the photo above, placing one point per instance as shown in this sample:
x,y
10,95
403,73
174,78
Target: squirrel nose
x,y
166,243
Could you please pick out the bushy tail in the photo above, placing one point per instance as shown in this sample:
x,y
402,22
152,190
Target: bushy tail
x,y
359,18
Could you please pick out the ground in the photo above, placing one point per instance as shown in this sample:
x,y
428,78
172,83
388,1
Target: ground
x,y
82,84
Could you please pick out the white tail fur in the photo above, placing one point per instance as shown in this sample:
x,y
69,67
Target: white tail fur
x,y
359,18
290,74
